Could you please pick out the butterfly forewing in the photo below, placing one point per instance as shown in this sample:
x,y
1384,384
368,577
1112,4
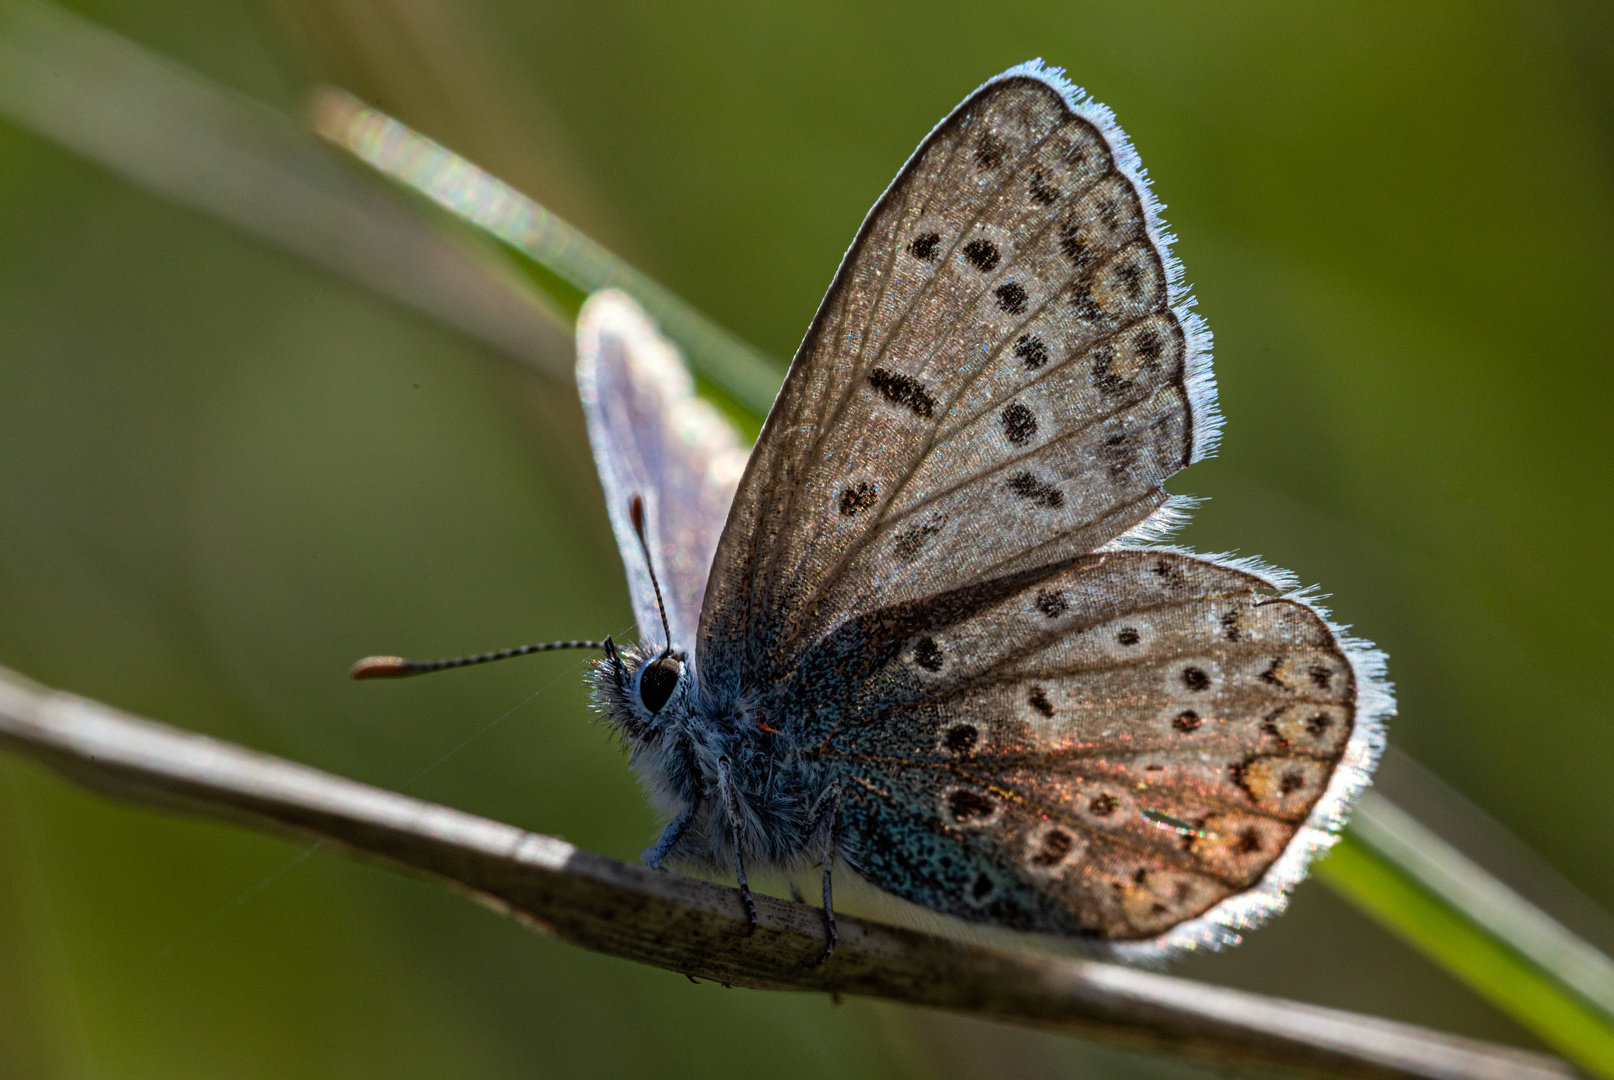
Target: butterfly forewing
x,y
654,440
1137,737
996,380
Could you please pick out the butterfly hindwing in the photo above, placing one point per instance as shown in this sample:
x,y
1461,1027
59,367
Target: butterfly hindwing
x,y
1000,376
653,439
1109,750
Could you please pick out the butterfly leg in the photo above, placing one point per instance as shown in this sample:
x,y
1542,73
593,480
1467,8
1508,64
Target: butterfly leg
x,y
653,856
828,805
731,801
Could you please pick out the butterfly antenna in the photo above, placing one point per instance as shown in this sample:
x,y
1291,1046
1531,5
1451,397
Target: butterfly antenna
x,y
396,667
636,514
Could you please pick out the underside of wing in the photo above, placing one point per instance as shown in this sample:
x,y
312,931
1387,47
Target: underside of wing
x,y
1001,376
654,440
1142,747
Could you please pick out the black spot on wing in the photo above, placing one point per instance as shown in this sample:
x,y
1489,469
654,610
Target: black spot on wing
x,y
924,247
1044,494
1019,425
1031,351
983,255
1052,602
1011,297
927,654
857,498
1039,701
903,390
961,739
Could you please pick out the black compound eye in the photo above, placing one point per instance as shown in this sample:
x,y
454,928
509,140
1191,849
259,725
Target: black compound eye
x,y
657,682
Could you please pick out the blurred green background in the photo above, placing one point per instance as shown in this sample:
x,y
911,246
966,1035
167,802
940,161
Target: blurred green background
x,y
225,474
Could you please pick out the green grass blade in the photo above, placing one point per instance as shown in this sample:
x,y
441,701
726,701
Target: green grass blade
x,y
1390,882
537,235
1459,881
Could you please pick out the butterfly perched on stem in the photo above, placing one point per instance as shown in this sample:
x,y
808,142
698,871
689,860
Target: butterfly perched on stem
x,y
927,627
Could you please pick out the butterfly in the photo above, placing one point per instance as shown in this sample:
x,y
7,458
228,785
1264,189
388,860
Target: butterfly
x,y
927,628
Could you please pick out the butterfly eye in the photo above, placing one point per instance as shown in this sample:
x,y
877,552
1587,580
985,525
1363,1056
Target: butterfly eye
x,y
657,682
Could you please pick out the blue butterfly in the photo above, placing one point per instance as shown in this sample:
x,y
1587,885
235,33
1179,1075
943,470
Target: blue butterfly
x,y
926,628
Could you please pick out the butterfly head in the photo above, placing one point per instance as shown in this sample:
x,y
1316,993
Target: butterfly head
x,y
641,689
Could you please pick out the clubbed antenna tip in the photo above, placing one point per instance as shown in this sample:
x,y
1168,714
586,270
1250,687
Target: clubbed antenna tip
x,y
382,667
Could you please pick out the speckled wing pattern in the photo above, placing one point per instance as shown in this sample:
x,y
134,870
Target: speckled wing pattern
x,y
932,575
653,437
